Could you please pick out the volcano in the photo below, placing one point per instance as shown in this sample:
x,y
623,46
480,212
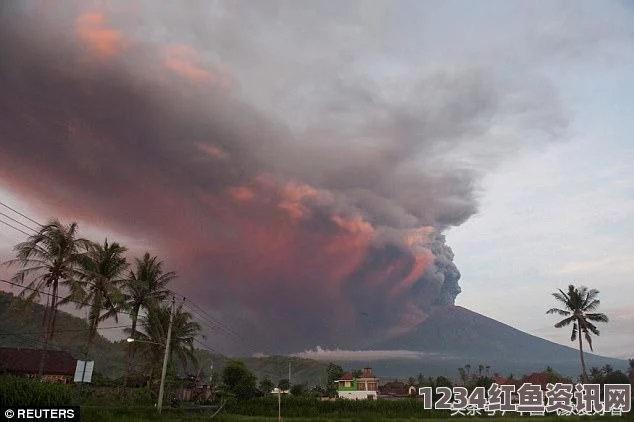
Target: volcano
x,y
453,336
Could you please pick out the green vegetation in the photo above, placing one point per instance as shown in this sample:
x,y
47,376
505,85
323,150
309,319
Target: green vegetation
x,y
21,326
107,414
333,372
155,324
579,306
20,391
607,375
238,381
313,407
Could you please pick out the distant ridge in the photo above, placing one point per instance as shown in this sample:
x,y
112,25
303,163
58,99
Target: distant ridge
x,y
457,333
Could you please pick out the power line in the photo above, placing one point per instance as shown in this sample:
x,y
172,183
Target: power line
x,y
17,221
213,321
15,228
20,214
65,330
196,309
213,325
60,297
209,348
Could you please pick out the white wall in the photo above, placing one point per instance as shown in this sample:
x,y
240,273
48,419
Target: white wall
x,y
357,395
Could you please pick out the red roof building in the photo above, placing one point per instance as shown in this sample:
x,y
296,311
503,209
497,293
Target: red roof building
x,y
394,389
59,366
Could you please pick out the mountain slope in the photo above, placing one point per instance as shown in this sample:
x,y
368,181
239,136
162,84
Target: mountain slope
x,y
21,326
457,333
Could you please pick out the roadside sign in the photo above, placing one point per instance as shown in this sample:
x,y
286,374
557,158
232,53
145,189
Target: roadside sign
x,y
83,370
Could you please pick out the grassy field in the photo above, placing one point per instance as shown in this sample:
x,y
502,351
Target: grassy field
x,y
106,414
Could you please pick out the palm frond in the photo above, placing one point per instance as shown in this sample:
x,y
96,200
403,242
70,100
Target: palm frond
x,y
589,340
565,322
558,311
597,317
592,306
593,328
591,295
562,297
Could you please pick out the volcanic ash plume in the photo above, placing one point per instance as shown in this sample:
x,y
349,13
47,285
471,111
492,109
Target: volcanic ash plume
x,y
302,199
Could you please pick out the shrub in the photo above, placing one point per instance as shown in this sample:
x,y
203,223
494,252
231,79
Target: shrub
x,y
22,391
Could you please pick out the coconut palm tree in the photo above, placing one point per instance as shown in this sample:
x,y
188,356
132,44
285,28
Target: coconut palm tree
x,y
102,270
153,336
49,259
146,286
144,289
579,305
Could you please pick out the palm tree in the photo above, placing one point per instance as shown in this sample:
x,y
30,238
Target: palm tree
x,y
50,258
145,288
579,306
154,335
102,269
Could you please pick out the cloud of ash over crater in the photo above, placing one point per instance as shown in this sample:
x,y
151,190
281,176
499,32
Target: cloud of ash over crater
x,y
295,162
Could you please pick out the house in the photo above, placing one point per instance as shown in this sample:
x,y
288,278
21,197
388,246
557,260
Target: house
x,y
196,393
540,378
59,366
543,379
394,389
364,387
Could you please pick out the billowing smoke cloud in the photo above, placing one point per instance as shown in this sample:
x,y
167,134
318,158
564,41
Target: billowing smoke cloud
x,y
296,163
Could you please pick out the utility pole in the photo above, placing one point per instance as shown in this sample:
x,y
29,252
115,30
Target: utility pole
x,y
46,336
289,375
166,358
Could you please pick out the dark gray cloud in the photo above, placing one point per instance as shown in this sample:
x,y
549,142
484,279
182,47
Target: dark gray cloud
x,y
281,154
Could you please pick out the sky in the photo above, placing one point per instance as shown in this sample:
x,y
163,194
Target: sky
x,y
325,174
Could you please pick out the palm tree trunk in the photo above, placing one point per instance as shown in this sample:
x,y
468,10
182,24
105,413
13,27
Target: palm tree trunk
x,y
584,375
50,326
53,310
45,326
130,356
93,321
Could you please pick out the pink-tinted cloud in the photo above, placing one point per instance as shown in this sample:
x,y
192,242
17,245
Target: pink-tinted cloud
x,y
327,234
103,42
185,61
